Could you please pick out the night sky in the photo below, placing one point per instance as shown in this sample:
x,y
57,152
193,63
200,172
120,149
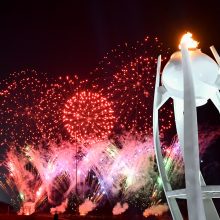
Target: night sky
x,y
72,36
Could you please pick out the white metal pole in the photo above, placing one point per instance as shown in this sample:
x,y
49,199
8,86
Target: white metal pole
x,y
191,148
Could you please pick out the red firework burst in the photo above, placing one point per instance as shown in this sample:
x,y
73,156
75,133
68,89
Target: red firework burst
x,y
19,97
128,72
132,88
88,116
50,109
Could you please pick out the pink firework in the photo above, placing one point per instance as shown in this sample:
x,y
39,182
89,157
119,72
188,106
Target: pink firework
x,y
88,116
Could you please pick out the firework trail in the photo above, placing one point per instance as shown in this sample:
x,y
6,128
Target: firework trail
x,y
127,76
19,96
127,170
22,181
56,168
38,175
123,171
174,167
141,185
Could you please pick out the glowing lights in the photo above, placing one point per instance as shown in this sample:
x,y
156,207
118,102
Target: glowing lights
x,y
11,167
130,177
188,40
128,73
39,192
20,96
21,196
99,125
104,171
50,108
88,116
35,107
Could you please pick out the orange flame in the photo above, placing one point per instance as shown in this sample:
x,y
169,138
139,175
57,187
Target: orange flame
x,y
188,40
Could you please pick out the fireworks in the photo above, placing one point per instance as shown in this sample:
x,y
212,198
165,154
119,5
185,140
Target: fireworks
x,y
132,86
50,108
32,108
52,122
88,116
104,172
19,97
22,181
70,110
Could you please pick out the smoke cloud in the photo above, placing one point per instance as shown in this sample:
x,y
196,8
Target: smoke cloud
x,y
59,209
119,209
86,207
156,210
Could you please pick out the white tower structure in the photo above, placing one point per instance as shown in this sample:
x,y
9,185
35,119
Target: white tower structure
x,y
190,78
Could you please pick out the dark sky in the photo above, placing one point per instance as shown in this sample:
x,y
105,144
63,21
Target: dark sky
x,y
72,36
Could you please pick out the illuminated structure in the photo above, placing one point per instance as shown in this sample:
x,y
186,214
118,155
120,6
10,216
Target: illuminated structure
x,y
190,78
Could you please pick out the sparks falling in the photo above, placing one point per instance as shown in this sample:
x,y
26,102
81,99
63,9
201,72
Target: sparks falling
x,y
128,74
19,99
